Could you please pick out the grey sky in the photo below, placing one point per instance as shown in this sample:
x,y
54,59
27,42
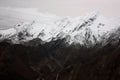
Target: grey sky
x,y
73,8
109,8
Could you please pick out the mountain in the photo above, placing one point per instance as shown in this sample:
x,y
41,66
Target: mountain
x,y
61,48
86,30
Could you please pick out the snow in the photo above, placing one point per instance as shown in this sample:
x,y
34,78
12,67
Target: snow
x,y
91,27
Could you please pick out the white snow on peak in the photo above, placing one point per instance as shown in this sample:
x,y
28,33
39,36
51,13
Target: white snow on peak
x,y
85,30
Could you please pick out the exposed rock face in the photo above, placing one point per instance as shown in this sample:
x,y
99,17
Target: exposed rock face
x,y
57,62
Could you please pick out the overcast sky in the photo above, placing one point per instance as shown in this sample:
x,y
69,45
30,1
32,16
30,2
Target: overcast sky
x,y
73,8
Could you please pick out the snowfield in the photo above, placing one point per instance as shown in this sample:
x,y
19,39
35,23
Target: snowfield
x,y
89,29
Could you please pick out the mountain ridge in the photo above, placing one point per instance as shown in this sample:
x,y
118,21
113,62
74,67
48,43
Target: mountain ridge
x,y
85,30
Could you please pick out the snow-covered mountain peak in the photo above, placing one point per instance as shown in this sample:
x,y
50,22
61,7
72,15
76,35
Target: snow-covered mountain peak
x,y
85,30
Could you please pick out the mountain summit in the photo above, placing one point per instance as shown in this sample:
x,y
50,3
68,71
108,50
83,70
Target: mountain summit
x,y
61,48
87,30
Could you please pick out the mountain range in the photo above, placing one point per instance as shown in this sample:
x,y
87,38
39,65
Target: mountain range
x,y
61,48
87,30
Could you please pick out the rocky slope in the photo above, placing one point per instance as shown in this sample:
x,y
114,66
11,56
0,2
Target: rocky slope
x,y
83,48
53,61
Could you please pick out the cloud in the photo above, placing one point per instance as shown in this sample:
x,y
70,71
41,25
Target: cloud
x,y
67,7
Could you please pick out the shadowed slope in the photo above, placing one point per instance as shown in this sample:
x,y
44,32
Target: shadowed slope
x,y
54,61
